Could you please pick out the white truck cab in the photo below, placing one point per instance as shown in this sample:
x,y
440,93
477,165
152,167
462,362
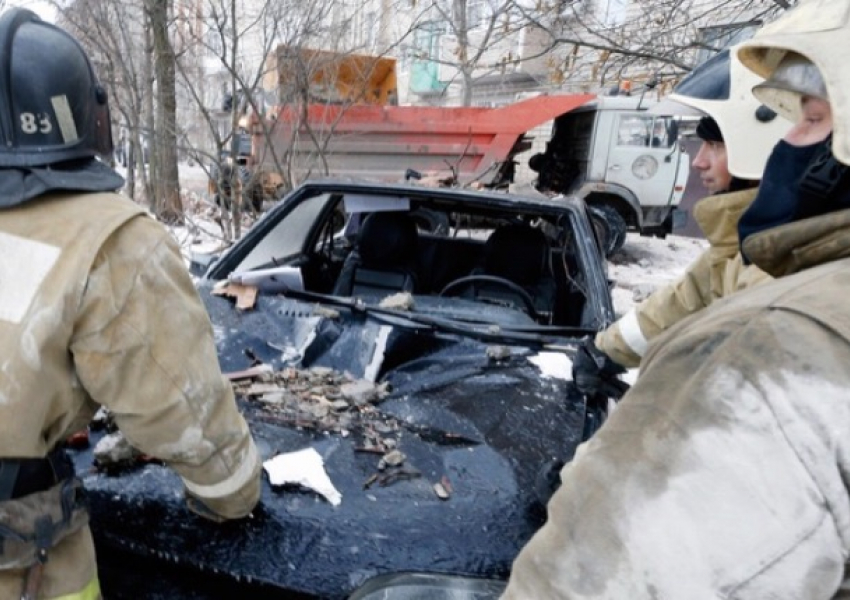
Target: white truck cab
x,y
626,163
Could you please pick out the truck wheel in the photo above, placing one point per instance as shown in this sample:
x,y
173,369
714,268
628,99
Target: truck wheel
x,y
618,228
600,228
431,221
612,231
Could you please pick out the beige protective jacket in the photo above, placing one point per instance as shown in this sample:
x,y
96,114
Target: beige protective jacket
x,y
716,273
97,308
723,473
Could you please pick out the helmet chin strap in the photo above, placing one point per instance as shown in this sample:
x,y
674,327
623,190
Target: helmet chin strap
x,y
824,184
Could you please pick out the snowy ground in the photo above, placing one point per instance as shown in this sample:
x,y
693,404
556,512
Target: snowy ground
x,y
647,263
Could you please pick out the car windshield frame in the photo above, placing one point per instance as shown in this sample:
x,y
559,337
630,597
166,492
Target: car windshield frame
x,y
333,193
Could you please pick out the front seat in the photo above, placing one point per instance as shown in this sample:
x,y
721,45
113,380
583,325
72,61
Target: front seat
x,y
520,254
384,258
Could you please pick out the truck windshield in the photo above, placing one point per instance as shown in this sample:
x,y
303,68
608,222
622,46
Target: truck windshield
x,y
646,130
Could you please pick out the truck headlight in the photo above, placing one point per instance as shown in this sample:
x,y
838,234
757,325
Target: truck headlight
x,y
424,586
644,167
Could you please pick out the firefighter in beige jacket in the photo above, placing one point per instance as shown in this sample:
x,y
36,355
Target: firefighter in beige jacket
x,y
716,273
737,134
723,473
96,309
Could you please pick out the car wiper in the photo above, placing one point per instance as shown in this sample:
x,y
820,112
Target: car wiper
x,y
546,337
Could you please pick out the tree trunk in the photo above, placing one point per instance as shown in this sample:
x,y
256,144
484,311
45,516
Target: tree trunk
x,y
147,118
462,29
167,204
235,176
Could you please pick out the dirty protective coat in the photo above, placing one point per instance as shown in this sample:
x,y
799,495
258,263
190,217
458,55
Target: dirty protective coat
x,y
722,473
96,307
716,273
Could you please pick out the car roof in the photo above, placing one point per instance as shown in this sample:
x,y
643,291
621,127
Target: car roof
x,y
472,197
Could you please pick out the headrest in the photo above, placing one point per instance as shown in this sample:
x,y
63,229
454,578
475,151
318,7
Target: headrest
x,y
518,253
387,239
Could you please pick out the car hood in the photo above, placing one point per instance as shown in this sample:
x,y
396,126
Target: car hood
x,y
491,427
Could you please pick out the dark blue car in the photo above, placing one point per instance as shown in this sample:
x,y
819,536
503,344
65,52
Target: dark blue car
x,y
456,312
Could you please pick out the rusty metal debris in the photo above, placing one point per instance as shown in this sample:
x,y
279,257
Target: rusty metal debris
x,y
497,353
78,440
393,458
323,311
399,301
245,295
391,476
255,371
324,400
319,399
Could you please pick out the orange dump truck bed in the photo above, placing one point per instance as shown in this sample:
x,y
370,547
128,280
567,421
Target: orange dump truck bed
x,y
382,142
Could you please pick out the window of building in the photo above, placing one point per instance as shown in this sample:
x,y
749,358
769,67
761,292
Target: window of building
x,y
476,12
426,41
369,27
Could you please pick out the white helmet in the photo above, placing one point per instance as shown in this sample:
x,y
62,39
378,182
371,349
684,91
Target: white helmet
x,y
721,89
814,32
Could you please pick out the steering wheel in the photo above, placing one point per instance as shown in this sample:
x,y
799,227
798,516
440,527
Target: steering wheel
x,y
453,288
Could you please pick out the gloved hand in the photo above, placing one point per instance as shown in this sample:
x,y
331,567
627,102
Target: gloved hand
x,y
595,373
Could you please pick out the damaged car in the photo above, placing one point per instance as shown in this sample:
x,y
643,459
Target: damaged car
x,y
402,355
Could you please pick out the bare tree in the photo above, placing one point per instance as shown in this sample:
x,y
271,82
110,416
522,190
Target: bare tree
x,y
477,28
110,30
605,41
237,42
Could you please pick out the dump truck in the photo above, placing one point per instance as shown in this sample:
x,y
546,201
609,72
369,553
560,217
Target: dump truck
x,y
626,163
295,75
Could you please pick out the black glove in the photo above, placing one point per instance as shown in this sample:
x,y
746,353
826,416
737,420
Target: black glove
x,y
595,373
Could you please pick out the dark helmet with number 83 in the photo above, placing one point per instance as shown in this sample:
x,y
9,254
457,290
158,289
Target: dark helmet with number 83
x,y
52,108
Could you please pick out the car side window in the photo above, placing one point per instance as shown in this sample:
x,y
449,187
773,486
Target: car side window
x,y
288,238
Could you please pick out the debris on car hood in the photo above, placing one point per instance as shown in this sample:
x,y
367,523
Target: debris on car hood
x,y
319,398
245,295
453,444
475,443
399,301
304,468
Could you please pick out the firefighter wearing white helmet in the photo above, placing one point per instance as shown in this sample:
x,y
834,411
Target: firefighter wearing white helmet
x,y
737,133
723,471
96,309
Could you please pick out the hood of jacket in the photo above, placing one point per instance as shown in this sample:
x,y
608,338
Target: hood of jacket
x,y
800,245
717,216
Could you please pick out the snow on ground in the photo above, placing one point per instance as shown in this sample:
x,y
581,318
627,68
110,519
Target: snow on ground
x,y
647,263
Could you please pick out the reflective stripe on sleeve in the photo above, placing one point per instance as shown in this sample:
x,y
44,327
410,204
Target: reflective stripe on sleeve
x,y
230,485
631,333
90,592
